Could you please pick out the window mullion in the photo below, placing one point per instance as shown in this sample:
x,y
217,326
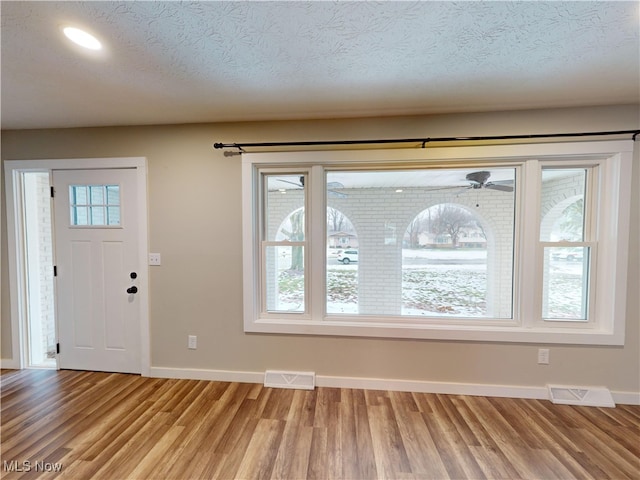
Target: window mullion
x,y
529,291
317,249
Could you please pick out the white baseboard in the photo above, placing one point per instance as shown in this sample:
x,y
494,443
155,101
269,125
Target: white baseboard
x,y
509,391
447,388
203,374
626,398
9,363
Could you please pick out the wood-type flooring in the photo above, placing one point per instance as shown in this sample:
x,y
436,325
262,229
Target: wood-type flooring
x,y
90,425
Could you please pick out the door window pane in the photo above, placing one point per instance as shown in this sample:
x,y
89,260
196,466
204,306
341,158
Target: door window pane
x,y
98,216
79,215
94,205
113,194
78,195
97,194
113,215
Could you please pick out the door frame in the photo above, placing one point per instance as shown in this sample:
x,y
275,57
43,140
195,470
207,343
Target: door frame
x,y
15,234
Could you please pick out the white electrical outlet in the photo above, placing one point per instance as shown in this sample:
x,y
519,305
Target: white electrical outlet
x,y
155,259
193,342
543,356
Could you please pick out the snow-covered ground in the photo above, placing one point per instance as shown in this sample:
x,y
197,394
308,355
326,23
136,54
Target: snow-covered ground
x,y
436,282
441,283
445,253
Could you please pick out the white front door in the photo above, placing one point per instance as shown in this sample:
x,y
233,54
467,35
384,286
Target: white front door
x,y
97,257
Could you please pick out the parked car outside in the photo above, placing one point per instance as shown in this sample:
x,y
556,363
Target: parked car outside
x,y
348,256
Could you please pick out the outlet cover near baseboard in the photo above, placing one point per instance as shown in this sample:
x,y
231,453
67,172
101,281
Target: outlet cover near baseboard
x,y
284,379
586,396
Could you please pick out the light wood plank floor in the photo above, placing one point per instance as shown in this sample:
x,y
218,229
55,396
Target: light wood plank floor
x,y
112,426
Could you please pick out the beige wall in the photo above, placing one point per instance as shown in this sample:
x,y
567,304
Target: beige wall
x,y
195,223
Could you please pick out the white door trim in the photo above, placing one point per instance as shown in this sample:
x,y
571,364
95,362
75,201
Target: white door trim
x,y
14,235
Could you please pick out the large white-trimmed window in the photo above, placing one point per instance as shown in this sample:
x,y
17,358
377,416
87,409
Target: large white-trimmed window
x,y
523,243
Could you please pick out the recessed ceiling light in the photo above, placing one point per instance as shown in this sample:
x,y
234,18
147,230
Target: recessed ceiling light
x,y
82,38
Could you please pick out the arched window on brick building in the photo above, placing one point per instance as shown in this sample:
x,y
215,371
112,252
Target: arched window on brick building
x,y
445,265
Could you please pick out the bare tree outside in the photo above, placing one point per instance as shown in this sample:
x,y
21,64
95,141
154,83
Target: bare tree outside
x,y
414,230
444,264
441,220
335,220
451,220
296,234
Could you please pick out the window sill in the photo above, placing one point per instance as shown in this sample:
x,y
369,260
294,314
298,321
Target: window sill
x,y
511,333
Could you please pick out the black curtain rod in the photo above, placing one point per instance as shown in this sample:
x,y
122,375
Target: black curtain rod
x,y
424,141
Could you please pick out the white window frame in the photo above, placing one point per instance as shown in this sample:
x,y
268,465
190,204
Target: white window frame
x,y
590,236
265,243
606,325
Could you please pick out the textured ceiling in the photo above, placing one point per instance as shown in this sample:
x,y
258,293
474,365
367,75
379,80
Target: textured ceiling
x,y
184,62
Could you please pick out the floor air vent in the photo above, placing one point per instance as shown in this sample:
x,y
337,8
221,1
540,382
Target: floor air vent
x,y
280,379
586,396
